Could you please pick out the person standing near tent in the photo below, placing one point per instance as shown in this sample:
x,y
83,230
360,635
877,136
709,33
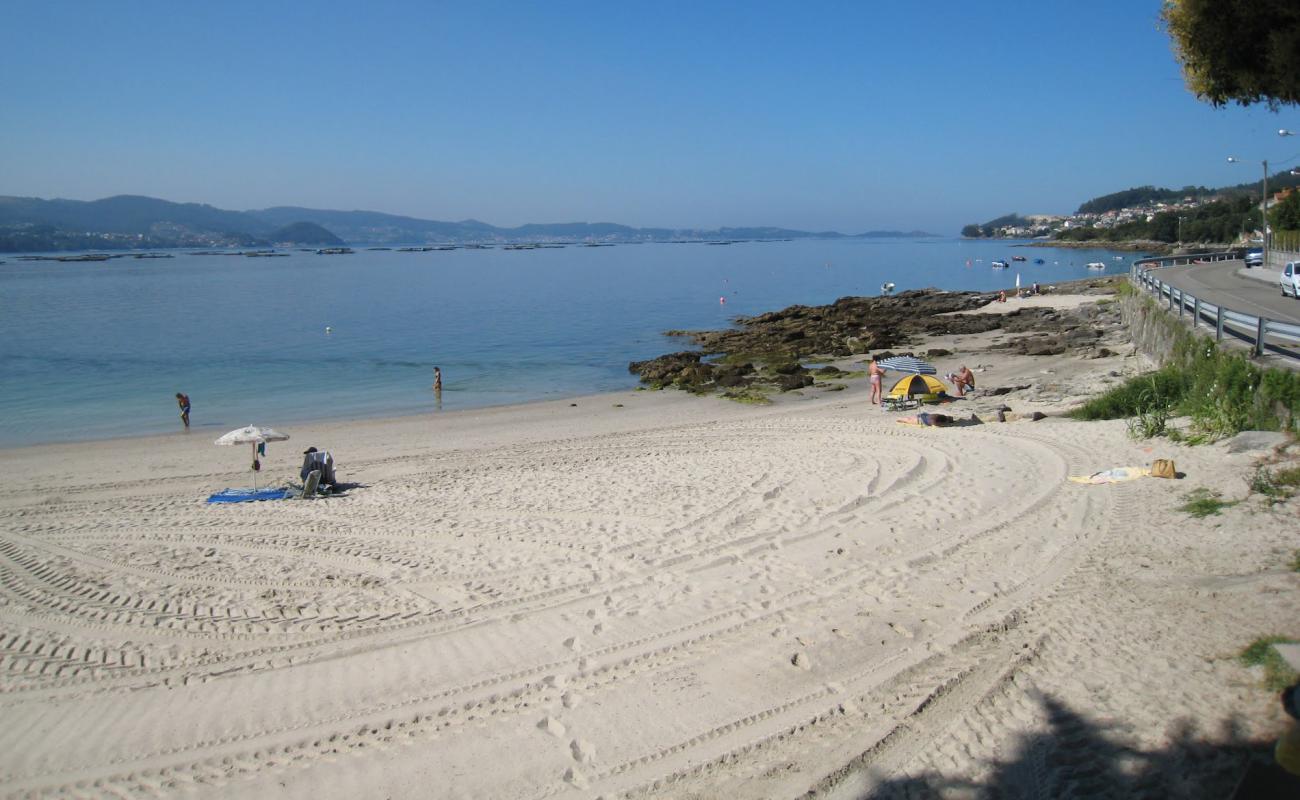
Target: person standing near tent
x,y
877,375
183,400
963,381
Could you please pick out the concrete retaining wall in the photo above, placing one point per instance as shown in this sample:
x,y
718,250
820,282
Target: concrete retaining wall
x,y
1151,328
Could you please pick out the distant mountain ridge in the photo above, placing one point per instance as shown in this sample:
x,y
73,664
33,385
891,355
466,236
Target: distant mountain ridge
x,y
138,221
375,227
125,214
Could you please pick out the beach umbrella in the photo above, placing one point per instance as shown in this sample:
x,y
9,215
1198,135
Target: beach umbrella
x,y
907,364
255,436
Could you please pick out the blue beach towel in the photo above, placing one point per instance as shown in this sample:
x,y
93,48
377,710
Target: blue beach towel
x,y
248,495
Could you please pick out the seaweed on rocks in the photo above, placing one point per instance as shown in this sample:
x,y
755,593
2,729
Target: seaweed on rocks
x,y
779,341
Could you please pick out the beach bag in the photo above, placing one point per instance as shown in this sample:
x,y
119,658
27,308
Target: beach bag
x,y
1163,468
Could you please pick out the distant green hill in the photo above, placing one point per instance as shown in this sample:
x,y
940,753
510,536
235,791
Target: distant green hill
x,y
377,227
991,228
1141,196
1147,195
128,221
304,233
126,214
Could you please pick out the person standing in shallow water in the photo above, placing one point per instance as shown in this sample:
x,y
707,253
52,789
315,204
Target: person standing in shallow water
x,y
183,400
437,379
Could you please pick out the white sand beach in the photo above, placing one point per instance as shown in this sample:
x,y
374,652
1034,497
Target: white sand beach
x,y
644,594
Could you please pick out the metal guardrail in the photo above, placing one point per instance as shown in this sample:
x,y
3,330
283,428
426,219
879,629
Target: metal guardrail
x,y
1255,330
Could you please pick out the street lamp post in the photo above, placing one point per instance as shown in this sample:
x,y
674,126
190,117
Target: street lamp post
x,y
1263,207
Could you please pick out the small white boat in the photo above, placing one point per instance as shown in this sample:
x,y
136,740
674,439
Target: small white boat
x,y
887,287
1096,265
999,265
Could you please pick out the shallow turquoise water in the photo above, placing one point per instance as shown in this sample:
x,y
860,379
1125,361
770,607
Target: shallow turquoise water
x,y
99,349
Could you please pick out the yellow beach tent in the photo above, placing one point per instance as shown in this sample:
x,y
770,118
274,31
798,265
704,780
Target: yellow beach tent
x,y
926,387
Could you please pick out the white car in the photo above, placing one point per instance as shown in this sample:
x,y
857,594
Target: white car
x,y
1290,279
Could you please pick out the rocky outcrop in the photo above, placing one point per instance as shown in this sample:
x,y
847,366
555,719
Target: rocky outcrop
x,y
777,342
849,325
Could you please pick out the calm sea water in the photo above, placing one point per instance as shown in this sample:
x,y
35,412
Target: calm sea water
x,y
98,350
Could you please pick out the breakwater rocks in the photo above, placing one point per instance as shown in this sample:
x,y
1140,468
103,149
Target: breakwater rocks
x,y
766,352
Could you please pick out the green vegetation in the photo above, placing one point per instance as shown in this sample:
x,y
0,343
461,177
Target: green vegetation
x,y
1164,387
1237,52
1150,422
1277,485
1220,221
1295,562
749,395
1141,196
991,227
1203,502
1285,214
1222,392
1260,653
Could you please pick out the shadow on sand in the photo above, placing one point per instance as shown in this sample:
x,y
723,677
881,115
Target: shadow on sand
x,y
1083,758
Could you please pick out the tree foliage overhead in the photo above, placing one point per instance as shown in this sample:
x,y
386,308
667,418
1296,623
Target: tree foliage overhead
x,y
1238,51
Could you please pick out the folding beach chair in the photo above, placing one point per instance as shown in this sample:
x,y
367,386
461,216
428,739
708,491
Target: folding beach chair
x,y
310,485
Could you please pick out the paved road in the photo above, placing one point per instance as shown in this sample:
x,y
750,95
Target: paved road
x,y
1219,283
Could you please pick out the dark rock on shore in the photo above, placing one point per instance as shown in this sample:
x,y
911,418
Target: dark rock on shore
x,y
855,326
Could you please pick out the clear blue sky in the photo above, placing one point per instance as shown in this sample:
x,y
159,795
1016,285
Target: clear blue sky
x,y
849,116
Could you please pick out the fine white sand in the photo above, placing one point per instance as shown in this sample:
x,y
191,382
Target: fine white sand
x,y
646,594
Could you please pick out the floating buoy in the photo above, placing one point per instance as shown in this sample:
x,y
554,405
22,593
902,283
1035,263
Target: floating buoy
x,y
328,329
722,301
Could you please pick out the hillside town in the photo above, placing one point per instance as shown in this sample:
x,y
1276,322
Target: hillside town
x,y
1053,226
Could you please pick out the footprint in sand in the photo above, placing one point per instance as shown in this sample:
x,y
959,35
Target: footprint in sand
x,y
552,726
583,751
